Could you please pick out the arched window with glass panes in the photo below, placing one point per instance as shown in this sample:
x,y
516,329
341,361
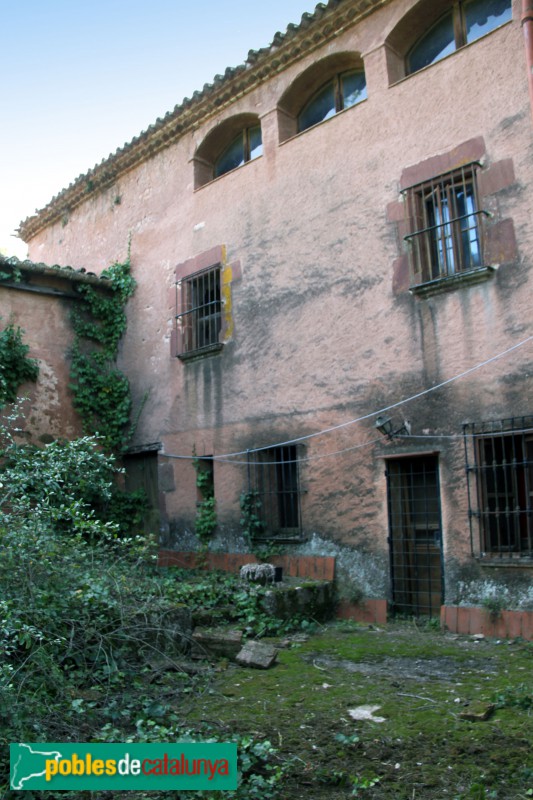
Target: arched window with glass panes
x,y
462,24
246,146
344,90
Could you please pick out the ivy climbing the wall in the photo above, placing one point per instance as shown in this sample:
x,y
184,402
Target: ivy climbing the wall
x,y
15,366
251,521
206,515
101,391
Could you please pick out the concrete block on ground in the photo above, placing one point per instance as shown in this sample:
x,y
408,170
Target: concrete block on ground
x,y
216,643
257,655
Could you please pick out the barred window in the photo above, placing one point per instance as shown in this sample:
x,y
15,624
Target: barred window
x,y
199,317
274,479
445,223
499,455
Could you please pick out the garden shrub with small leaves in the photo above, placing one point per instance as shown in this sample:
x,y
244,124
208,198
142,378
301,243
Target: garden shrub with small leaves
x,y
83,613
15,366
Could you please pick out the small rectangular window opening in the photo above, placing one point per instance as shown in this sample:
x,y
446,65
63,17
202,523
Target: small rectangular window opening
x,y
199,317
499,457
274,476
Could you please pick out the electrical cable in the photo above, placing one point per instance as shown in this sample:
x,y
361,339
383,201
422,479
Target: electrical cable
x,y
227,457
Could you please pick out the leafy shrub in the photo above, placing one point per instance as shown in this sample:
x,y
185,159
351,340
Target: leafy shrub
x,y
251,522
70,484
515,697
79,636
15,366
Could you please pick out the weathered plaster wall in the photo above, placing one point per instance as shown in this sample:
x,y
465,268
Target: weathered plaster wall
x,y
325,329
47,411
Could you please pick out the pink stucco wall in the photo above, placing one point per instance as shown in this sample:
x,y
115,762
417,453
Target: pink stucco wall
x,y
46,407
324,327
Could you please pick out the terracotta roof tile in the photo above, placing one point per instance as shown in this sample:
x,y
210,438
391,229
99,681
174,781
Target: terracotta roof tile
x,y
15,265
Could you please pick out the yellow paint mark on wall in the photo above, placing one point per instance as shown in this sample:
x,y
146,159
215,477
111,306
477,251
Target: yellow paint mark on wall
x,y
226,278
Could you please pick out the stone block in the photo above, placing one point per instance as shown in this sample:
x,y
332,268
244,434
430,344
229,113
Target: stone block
x,y
257,655
216,643
312,599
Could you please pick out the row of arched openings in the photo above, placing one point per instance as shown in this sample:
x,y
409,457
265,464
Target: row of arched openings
x,y
432,30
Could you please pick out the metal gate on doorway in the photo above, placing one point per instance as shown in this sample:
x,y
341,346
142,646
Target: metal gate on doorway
x,y
415,538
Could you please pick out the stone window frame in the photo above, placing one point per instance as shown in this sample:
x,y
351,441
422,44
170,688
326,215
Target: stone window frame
x,y
499,241
216,261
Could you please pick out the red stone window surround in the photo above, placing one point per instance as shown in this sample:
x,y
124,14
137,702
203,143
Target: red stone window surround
x,y
447,223
203,321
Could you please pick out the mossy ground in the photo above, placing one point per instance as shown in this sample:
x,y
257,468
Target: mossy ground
x,y
421,679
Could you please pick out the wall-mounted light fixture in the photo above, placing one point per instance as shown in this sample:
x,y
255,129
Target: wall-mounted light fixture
x,y
384,426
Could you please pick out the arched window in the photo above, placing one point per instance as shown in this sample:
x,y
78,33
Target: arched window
x,y
344,90
233,142
322,90
465,22
246,146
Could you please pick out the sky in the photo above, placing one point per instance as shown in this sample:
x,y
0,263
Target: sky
x,y
80,78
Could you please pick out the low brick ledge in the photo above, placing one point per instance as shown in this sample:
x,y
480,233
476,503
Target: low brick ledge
x,y
456,619
368,611
471,620
313,567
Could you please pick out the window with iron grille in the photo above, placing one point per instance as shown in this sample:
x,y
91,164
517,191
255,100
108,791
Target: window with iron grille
x,y
500,457
274,478
199,317
444,218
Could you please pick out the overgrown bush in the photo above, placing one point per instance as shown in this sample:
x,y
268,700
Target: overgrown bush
x,y
15,366
83,614
70,484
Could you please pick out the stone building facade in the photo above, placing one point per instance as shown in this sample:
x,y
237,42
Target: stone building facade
x,y
336,234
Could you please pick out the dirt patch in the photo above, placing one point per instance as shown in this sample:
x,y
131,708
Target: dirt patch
x,y
442,669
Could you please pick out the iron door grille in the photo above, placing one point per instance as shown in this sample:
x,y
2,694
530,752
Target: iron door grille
x,y
415,535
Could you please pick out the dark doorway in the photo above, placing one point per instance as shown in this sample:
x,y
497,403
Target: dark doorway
x,y
415,539
141,473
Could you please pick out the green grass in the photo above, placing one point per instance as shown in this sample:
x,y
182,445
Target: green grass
x,y
422,680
